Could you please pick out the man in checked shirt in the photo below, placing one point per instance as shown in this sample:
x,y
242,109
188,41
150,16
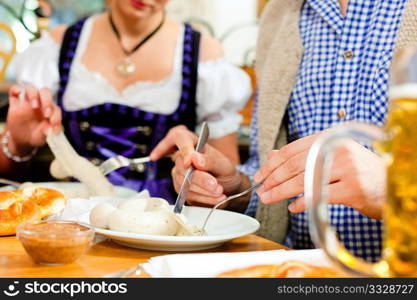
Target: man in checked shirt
x,y
319,63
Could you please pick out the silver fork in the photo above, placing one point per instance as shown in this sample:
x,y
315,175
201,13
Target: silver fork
x,y
119,161
232,197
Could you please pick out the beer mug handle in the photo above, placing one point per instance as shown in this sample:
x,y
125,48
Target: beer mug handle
x,y
317,173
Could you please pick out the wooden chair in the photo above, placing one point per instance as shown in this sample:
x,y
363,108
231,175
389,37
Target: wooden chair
x,y
6,56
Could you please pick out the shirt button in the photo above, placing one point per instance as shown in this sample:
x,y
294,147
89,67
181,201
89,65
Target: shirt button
x,y
142,148
348,54
341,113
90,145
145,130
138,168
84,126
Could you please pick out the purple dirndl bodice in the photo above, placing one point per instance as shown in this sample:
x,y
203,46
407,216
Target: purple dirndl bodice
x,y
109,129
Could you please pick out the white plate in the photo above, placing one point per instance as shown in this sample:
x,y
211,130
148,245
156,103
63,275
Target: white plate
x,y
223,226
76,189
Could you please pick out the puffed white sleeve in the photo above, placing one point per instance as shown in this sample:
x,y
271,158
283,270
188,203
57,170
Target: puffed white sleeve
x,y
38,64
222,90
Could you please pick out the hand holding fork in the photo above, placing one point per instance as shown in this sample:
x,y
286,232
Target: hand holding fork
x,y
119,161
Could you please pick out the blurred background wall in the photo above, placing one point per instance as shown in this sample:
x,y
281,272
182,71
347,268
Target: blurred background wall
x,y
233,22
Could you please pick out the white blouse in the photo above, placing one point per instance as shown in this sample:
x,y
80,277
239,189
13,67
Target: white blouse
x,y
222,89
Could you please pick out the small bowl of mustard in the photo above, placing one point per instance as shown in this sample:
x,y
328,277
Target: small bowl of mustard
x,y
55,242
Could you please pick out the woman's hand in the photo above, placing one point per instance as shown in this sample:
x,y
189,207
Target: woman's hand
x,y
29,119
357,177
215,175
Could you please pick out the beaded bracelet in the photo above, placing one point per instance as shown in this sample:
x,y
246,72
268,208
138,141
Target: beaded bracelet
x,y
15,158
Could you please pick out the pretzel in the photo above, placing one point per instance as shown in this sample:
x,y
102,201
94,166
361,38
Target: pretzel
x,y
289,269
26,205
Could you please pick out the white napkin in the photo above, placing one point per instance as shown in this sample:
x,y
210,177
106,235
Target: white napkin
x,y
211,264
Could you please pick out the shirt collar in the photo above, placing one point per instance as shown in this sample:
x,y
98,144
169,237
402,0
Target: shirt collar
x,y
329,10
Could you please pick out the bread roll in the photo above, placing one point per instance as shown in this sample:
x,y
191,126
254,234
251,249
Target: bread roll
x,y
50,201
25,205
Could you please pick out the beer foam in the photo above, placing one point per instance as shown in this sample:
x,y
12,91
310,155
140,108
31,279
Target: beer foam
x,y
403,91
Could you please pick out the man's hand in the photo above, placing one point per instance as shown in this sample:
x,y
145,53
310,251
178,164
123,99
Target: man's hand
x,y
215,175
357,177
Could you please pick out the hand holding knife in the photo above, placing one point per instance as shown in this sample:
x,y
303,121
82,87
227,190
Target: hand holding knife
x,y
202,139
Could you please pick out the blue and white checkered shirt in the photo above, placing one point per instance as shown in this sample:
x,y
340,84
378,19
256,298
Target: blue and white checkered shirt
x,y
345,67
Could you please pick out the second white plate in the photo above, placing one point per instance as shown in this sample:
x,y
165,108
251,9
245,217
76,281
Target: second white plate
x,y
76,189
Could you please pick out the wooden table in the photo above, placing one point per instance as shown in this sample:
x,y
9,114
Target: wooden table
x,y
103,258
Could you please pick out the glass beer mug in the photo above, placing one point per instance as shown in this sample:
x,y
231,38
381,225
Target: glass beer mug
x,y
397,143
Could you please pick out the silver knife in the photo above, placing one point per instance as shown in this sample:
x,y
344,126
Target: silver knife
x,y
202,139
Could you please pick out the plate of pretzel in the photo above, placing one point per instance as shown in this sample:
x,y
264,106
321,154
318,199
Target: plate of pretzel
x,y
28,205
